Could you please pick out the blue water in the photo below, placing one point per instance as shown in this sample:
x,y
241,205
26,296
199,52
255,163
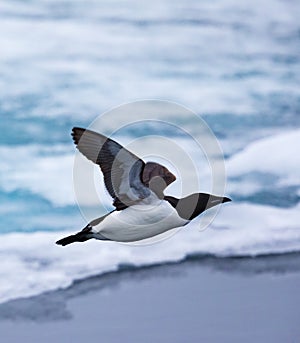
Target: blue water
x,y
236,64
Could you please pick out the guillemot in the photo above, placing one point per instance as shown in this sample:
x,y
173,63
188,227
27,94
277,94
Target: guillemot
x,y
137,188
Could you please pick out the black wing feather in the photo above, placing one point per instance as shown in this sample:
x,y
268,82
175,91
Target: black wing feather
x,y
122,170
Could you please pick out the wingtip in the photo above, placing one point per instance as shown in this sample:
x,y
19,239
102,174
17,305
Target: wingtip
x,y
76,133
226,199
77,130
59,242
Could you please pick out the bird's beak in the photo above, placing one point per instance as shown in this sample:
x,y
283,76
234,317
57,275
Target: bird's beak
x,y
225,199
216,200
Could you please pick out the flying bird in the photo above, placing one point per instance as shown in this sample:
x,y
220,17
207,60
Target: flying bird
x,y
137,188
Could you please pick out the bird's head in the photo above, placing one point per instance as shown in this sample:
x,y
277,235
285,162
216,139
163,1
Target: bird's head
x,y
194,204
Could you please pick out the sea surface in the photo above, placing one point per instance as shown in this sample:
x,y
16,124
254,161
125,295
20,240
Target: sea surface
x,y
63,63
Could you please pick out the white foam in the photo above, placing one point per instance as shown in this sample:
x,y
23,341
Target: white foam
x,y
40,170
192,63
32,263
276,155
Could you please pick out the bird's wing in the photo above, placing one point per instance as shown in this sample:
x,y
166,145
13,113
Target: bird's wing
x,y
122,170
126,177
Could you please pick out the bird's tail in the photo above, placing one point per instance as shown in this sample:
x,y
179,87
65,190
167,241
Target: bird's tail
x,y
81,236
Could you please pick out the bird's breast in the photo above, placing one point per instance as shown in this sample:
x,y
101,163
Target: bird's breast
x,y
140,222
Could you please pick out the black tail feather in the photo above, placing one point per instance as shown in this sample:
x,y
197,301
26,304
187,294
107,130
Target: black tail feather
x,y
78,237
85,234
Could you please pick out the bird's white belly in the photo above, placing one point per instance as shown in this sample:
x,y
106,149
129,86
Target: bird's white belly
x,y
140,222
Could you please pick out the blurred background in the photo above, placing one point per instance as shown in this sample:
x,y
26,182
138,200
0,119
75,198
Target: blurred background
x,y
62,63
